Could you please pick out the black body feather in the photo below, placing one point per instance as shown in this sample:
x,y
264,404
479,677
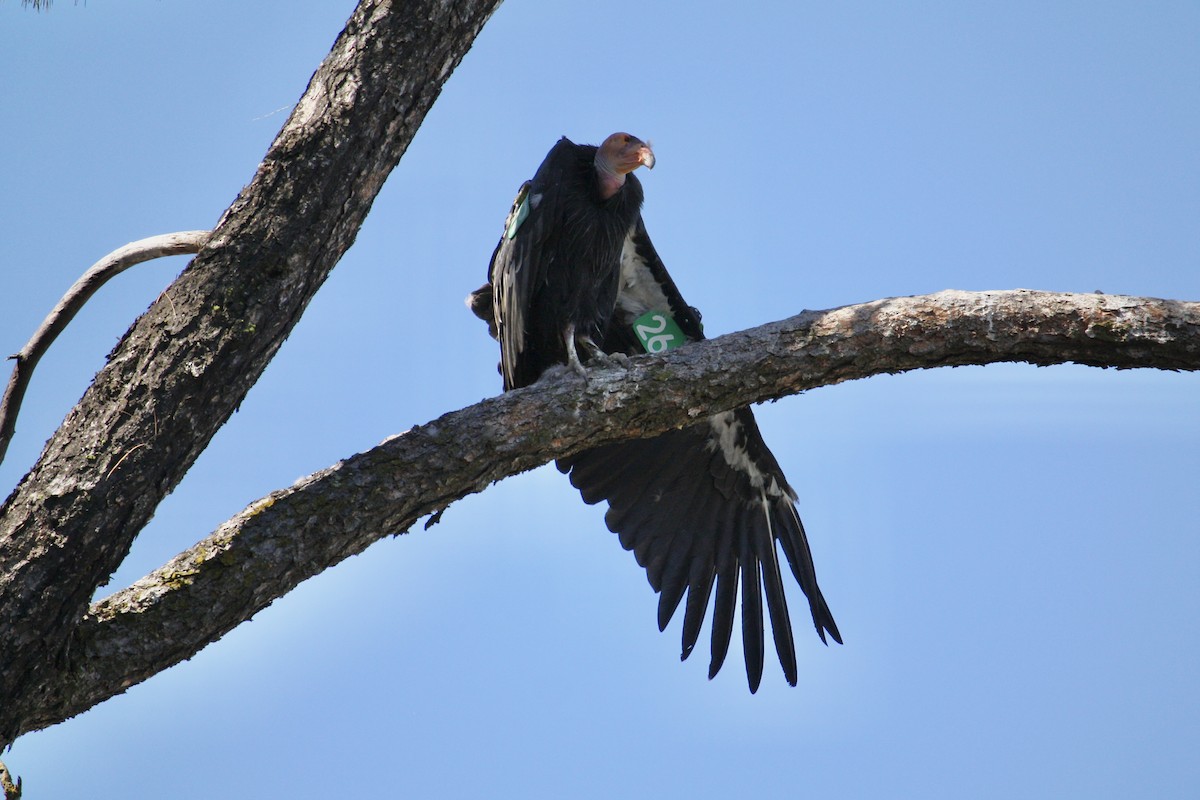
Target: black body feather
x,y
701,507
557,268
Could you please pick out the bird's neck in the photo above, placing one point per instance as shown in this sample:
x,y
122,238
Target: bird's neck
x,y
608,179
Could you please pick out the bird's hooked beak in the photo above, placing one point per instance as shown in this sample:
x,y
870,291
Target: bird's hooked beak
x,y
622,153
646,155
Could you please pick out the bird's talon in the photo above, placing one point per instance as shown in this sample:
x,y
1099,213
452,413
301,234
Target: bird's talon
x,y
603,359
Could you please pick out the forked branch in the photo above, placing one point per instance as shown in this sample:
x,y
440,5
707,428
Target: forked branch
x,y
185,365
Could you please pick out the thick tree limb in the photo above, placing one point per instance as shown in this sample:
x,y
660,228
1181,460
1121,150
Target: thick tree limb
x,y
185,366
292,534
113,264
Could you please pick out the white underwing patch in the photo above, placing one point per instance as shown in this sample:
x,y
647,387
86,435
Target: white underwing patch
x,y
730,439
639,292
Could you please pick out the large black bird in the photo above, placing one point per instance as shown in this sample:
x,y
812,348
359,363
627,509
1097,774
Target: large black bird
x,y
575,278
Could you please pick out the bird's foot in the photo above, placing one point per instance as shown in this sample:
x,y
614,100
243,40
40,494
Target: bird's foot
x,y
576,366
595,356
573,355
603,359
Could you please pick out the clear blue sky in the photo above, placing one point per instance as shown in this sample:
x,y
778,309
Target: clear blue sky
x,y
1010,552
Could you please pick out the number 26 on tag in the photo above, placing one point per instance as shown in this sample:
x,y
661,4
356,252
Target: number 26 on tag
x,y
658,332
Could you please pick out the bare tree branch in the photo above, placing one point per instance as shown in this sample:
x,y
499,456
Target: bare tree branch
x,y
186,365
12,791
113,264
292,534
189,361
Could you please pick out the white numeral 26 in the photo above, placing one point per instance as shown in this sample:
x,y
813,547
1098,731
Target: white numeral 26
x,y
655,344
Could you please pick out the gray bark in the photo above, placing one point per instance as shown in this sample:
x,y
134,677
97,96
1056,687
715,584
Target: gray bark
x,y
292,534
187,363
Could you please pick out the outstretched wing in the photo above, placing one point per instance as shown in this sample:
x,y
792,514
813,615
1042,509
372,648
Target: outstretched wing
x,y
704,506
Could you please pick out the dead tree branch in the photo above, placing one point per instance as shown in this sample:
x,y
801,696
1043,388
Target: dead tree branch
x,y
292,534
11,790
187,363
113,264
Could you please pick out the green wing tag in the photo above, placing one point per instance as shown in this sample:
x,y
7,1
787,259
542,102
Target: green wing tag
x,y
658,332
519,213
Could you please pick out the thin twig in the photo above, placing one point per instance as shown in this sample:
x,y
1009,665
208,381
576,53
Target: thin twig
x,y
121,461
116,262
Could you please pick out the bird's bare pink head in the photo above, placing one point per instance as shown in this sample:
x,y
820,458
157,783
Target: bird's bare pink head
x,y
622,153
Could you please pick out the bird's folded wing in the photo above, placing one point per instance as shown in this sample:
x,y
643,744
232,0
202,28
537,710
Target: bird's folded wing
x,y
521,262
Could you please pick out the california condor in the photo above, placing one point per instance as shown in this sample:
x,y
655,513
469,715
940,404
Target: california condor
x,y
575,278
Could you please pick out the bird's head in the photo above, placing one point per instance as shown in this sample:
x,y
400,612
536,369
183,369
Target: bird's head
x,y
619,155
